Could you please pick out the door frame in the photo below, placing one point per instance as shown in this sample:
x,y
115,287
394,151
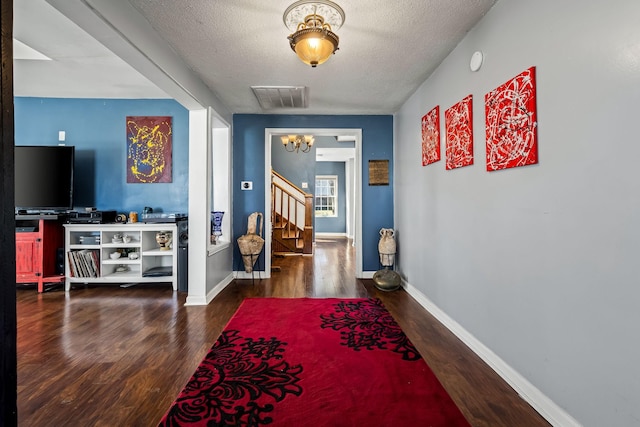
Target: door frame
x,y
269,133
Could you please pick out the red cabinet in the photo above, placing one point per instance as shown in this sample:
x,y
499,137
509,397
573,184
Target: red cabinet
x,y
37,243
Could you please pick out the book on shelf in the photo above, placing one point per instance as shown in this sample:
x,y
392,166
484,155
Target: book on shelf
x,y
84,263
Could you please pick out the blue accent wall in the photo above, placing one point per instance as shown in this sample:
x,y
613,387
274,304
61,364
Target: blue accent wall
x,y
334,224
96,127
248,165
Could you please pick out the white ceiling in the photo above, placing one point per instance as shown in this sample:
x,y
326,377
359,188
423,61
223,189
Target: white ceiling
x,y
80,66
387,49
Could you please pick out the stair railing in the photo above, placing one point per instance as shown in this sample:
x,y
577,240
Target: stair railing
x,y
293,206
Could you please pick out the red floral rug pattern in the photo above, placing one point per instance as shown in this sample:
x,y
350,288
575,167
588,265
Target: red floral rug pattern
x,y
366,324
236,384
313,362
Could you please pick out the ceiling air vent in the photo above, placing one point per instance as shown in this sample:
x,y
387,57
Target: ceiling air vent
x,y
272,97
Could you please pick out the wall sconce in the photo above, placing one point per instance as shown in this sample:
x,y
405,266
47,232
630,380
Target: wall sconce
x,y
297,143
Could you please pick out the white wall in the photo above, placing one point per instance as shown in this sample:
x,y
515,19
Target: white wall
x,y
209,271
539,263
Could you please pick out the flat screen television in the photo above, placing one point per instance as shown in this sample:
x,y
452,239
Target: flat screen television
x,y
44,178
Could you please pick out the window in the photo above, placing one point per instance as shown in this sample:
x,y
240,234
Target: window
x,y
326,195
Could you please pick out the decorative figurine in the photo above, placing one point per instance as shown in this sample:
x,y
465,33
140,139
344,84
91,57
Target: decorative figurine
x,y
163,238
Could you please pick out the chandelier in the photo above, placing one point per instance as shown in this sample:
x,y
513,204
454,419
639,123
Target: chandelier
x,y
297,143
313,39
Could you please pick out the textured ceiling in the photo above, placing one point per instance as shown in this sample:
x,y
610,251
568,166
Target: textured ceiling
x,y
387,49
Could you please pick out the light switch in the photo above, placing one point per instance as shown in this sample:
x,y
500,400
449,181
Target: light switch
x,y
62,135
305,185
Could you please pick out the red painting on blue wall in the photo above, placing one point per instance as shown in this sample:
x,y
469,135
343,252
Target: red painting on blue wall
x,y
149,149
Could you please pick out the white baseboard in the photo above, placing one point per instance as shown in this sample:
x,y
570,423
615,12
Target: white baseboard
x,y
322,234
204,300
193,300
219,287
257,274
538,400
367,275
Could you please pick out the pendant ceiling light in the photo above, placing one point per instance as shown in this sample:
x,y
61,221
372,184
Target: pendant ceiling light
x,y
297,143
313,23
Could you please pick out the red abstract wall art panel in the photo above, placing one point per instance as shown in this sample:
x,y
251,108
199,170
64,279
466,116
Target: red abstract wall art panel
x,y
149,149
431,136
458,123
511,120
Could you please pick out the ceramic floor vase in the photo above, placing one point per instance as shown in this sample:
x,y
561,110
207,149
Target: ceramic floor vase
x,y
251,244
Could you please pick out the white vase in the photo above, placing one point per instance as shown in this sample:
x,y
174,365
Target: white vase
x,y
387,247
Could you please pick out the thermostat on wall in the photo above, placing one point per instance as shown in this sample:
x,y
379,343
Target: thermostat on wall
x,y
246,185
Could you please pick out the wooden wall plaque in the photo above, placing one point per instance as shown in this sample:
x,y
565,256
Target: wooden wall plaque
x,y
378,172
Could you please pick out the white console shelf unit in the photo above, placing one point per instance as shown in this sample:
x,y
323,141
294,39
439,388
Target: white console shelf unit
x,y
95,241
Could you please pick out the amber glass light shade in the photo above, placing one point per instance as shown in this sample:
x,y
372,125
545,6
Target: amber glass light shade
x,y
314,42
314,45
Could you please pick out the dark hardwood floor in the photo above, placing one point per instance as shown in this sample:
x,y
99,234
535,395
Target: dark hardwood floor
x,y
112,356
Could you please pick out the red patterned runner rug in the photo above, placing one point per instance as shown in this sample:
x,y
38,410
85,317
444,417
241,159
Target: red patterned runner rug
x,y
313,362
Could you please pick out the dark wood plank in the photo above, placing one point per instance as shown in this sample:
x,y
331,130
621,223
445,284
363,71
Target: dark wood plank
x,y
106,356
7,222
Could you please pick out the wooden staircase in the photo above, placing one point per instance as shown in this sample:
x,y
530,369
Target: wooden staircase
x,y
291,217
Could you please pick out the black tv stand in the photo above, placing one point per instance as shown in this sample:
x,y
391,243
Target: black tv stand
x,y
36,216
